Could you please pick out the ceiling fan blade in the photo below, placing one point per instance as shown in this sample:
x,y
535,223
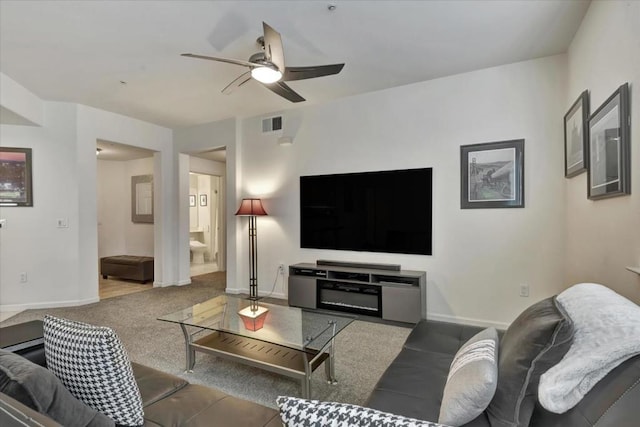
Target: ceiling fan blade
x,y
213,58
284,91
301,73
239,81
273,49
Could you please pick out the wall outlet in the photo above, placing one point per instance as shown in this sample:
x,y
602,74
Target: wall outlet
x,y
524,290
23,277
62,222
281,269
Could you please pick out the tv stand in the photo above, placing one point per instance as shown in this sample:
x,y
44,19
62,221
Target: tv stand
x,y
378,290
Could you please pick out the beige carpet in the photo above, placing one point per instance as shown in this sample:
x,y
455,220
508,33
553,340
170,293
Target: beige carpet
x,y
363,349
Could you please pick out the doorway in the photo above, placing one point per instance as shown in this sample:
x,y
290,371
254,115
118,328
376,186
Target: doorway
x,y
204,223
120,231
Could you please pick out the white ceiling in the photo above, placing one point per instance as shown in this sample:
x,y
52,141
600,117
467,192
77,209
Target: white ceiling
x,y
121,152
80,51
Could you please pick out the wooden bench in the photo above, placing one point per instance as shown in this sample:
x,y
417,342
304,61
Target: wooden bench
x,y
130,267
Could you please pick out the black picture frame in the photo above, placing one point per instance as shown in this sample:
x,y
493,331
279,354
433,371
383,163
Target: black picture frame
x,y
576,137
609,172
192,200
203,200
492,175
16,177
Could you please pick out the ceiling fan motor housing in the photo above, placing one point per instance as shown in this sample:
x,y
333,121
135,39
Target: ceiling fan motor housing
x,y
259,58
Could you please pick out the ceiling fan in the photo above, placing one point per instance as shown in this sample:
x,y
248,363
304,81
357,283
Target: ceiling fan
x,y
268,67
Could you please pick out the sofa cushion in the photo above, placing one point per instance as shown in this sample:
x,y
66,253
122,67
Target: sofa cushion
x,y
296,412
155,385
37,388
472,379
412,385
535,341
93,365
200,406
440,337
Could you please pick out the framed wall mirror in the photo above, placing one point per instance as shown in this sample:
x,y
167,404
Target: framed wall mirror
x,y
142,199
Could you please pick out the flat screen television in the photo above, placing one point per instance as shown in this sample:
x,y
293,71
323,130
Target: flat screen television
x,y
386,211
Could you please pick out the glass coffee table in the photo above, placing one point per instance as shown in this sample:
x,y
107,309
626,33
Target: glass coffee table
x,y
292,342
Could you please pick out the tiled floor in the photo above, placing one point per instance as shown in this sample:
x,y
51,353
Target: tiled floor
x,y
198,269
110,288
4,315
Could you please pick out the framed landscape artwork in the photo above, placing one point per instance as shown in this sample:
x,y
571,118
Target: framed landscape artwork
x,y
203,200
609,147
192,200
576,131
492,175
16,188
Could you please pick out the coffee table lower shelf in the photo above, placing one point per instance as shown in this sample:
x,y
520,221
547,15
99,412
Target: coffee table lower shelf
x,y
298,364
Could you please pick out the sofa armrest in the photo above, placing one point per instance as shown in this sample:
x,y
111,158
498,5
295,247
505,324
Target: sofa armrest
x,y
612,402
15,414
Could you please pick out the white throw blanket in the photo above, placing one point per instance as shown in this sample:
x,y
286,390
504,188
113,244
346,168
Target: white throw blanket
x,y
607,332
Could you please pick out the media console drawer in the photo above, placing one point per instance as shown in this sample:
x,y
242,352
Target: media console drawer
x,y
392,295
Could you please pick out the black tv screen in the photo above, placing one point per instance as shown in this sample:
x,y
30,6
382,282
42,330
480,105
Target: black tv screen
x,y
387,211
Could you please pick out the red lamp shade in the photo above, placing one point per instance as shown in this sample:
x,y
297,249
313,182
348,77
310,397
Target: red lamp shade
x,y
251,207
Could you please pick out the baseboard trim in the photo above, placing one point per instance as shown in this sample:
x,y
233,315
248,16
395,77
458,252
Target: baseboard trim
x,y
184,282
48,304
466,320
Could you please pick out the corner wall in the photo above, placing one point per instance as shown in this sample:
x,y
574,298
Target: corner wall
x,y
62,263
480,256
603,236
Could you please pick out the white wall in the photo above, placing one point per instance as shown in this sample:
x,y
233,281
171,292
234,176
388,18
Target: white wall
x,y
197,139
112,201
31,241
62,263
117,234
94,124
479,256
18,105
138,236
604,236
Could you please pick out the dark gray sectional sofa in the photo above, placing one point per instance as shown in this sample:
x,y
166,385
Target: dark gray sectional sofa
x,y
413,384
168,400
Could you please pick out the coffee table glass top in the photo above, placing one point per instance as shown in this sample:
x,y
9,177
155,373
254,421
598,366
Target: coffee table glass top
x,y
287,326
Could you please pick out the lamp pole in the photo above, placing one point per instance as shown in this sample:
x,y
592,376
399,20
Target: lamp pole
x,y
252,208
253,258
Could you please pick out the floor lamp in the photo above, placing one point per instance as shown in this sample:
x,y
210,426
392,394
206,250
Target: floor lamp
x,y
254,315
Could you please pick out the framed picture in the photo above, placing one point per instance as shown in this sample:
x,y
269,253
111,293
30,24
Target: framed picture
x,y
142,199
203,200
492,175
609,147
16,188
192,200
576,133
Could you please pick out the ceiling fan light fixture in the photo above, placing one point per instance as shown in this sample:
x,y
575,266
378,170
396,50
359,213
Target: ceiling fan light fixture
x,y
266,74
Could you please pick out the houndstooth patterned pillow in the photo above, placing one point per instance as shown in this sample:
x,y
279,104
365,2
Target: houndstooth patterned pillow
x,y
297,412
93,365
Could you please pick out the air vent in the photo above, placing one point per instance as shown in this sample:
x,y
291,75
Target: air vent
x,y
272,124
